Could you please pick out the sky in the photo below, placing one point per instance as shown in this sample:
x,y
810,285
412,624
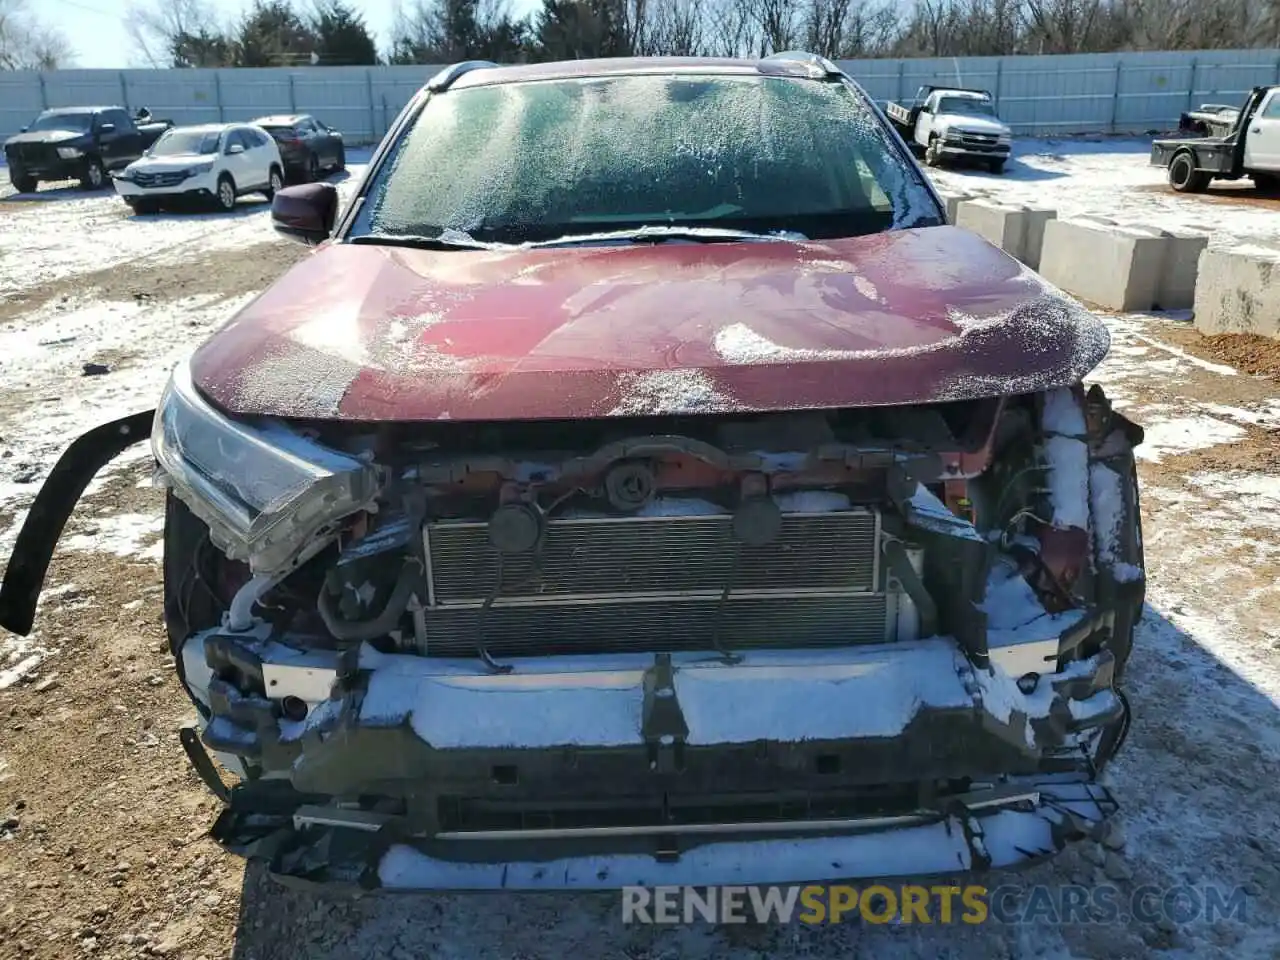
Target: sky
x,y
96,28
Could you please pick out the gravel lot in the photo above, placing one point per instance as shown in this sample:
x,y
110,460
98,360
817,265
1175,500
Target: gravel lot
x,y
102,850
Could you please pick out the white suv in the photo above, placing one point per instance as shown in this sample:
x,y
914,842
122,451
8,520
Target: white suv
x,y
217,162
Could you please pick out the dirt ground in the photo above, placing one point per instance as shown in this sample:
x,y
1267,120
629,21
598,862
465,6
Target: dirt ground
x,y
1239,193
102,823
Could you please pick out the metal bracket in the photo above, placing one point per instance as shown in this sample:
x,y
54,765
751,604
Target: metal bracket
x,y
663,726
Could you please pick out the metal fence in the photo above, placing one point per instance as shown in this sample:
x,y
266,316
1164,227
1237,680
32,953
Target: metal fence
x,y
1086,93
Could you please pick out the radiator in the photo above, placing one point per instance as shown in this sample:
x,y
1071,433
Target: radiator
x,y
657,584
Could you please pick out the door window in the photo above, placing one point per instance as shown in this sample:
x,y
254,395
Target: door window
x,y
1272,110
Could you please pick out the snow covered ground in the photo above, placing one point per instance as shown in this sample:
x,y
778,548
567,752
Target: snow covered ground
x,y
1112,178
1194,781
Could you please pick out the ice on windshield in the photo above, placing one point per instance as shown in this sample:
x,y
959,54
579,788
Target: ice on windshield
x,y
62,121
969,106
532,161
186,142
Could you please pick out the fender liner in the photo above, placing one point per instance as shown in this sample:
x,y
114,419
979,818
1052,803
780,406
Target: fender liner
x,y
79,463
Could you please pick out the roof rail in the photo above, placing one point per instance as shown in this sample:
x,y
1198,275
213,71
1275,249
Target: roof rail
x,y
797,63
446,77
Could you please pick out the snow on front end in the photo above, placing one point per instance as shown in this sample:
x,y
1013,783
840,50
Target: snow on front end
x,y
784,696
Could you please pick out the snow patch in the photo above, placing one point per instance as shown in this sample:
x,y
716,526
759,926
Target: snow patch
x,y
1185,434
669,391
812,501
130,535
1106,499
1062,413
1068,477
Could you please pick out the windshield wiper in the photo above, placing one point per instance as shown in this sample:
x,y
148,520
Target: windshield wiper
x,y
446,241
661,234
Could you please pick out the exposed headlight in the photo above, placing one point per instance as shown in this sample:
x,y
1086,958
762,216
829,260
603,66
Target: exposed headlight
x,y
70,153
198,169
266,492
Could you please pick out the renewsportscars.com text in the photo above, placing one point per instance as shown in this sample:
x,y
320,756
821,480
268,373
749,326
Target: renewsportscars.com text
x,y
935,904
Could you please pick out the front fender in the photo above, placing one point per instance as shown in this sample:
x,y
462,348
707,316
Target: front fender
x,y
24,577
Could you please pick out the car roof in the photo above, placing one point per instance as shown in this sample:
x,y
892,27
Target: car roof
x,y
962,94
606,67
206,127
279,120
75,110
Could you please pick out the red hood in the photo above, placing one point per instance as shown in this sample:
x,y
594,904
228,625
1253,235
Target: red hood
x,y
366,333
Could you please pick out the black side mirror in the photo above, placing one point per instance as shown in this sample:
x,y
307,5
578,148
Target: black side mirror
x,y
107,128
306,212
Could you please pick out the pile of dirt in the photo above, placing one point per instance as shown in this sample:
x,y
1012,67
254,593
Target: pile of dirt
x,y
1245,351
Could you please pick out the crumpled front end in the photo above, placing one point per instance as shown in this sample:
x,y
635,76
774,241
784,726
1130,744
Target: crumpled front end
x,y
701,650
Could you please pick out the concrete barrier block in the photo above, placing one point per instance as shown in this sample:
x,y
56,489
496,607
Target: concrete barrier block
x,y
1238,291
953,199
1177,290
1113,266
1017,230
1033,236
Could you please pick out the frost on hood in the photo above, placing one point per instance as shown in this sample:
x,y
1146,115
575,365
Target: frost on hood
x,y
669,391
1058,340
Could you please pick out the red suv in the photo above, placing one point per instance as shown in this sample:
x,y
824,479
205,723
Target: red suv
x,y
641,484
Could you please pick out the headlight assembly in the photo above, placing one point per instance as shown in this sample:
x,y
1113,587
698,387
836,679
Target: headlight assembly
x,y
198,169
70,153
267,493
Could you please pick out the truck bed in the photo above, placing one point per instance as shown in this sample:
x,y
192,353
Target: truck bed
x,y
1214,154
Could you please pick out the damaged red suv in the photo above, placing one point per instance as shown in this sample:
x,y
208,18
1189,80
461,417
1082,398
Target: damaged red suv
x,y
641,484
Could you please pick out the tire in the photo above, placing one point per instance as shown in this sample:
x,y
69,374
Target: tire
x,y
933,153
275,180
23,182
341,163
312,173
225,198
1265,181
94,176
1183,175
143,205
996,167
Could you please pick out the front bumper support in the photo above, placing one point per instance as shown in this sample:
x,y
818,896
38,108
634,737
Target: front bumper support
x,y
416,773
356,852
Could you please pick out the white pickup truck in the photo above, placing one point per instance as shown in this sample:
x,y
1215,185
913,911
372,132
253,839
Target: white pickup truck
x,y
1248,146
953,123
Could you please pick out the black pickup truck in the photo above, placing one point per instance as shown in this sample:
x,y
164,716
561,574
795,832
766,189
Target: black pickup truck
x,y
79,143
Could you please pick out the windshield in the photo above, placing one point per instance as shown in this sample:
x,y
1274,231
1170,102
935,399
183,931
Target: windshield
x,y
62,121
534,161
181,142
968,106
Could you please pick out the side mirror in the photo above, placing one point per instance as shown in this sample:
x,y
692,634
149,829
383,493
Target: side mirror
x,y
234,149
107,128
306,212
24,129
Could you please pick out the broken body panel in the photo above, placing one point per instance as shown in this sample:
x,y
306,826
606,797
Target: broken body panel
x,y
761,561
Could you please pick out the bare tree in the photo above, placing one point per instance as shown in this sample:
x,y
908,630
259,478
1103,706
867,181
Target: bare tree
x,y
1063,26
177,33
731,28
676,28
28,44
845,29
